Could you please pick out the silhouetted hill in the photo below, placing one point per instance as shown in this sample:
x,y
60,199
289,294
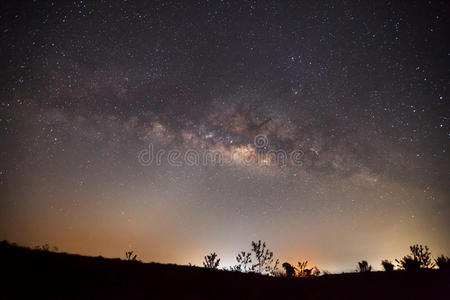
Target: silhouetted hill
x,y
36,274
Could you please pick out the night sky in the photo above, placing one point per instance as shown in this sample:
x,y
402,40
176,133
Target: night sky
x,y
358,90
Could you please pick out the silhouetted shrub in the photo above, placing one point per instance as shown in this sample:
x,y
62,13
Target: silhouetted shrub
x,y
315,271
264,261
443,262
129,255
301,268
387,265
420,259
364,267
46,247
423,255
302,271
289,269
279,273
408,263
244,262
211,261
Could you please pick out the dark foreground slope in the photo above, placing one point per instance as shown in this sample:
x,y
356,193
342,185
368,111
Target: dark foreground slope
x,y
35,274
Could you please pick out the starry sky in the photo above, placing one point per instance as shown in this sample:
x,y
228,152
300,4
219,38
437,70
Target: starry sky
x,y
357,89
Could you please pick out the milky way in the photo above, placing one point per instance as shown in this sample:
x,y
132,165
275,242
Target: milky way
x,y
358,91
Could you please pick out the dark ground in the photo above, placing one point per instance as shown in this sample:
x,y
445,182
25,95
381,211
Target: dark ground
x,y
37,274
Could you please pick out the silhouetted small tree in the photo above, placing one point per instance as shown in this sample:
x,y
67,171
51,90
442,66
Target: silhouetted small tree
x,y
443,262
387,265
420,258
211,261
289,269
129,255
264,262
364,267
